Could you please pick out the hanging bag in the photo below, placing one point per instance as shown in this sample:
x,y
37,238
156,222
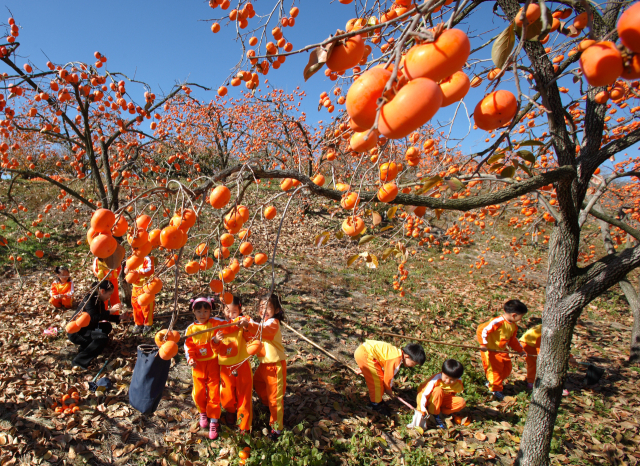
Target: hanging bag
x,y
149,379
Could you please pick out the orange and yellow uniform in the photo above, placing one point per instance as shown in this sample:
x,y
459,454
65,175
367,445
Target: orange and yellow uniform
x,y
379,362
270,379
495,335
61,294
235,374
531,345
102,272
206,372
142,315
436,396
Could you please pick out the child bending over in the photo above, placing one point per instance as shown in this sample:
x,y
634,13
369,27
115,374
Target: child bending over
x,y
62,289
379,362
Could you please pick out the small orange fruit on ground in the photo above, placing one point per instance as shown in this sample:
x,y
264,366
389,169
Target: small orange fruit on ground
x,y
39,254
629,28
454,88
601,64
414,105
346,55
495,110
439,59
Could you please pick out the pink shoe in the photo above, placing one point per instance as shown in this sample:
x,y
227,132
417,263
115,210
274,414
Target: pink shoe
x,y
204,420
565,392
213,430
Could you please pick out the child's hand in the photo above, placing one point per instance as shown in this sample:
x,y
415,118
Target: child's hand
x,y
218,337
483,348
192,362
243,323
523,354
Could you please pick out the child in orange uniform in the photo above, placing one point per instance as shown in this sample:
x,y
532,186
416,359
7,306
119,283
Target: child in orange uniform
x,y
102,271
62,289
270,379
437,395
379,362
235,371
204,362
531,345
495,335
142,315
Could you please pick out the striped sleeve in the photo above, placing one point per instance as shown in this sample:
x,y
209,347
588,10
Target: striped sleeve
x,y
427,391
189,346
490,328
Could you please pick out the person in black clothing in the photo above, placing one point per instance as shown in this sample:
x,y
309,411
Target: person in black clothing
x,y
93,338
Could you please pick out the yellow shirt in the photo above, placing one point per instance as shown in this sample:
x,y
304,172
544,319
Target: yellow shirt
x,y
233,347
497,333
199,347
436,381
532,336
271,339
388,356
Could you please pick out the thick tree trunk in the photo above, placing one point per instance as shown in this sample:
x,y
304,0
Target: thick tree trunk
x,y
630,293
558,321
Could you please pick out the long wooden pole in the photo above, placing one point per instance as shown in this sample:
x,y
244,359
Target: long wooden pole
x,y
447,344
321,349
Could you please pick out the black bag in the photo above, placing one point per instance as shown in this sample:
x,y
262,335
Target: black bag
x,y
148,380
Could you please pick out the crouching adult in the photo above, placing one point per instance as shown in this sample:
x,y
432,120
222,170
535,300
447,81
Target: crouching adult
x,y
93,338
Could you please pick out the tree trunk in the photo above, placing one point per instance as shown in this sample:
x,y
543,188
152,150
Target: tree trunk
x,y
558,321
629,293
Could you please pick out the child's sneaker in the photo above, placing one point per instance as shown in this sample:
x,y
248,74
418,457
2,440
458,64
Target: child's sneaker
x,y
146,329
213,430
204,420
136,329
565,392
439,422
498,396
231,419
274,435
380,408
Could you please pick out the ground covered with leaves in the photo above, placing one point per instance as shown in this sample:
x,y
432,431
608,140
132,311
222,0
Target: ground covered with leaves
x,y
326,418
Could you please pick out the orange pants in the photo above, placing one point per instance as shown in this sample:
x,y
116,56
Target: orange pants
x,y
66,301
373,374
206,387
236,391
447,403
532,360
270,383
497,367
142,315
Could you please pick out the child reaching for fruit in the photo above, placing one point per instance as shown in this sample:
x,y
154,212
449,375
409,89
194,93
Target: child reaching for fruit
x,y
62,289
270,379
203,359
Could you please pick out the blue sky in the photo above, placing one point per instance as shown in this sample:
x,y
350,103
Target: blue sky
x,y
164,42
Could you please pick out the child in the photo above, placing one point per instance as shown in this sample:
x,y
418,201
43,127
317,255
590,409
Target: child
x,y
62,289
437,394
270,379
379,362
101,272
142,315
495,335
531,345
235,371
204,360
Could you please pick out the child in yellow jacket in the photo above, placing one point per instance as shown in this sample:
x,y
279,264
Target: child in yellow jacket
x,y
379,362
142,313
270,379
62,289
438,395
235,371
496,335
203,360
